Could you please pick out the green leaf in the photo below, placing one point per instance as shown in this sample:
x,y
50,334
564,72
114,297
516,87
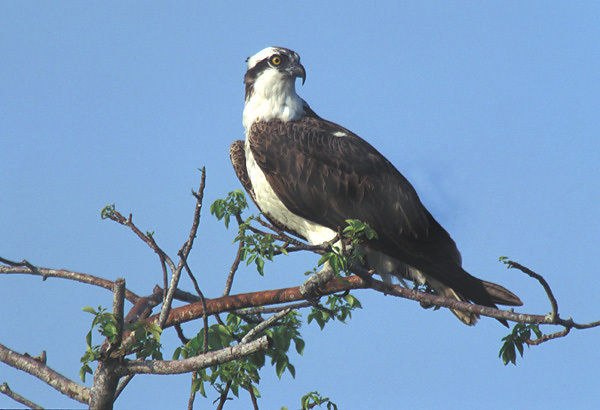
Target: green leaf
x,y
299,343
255,390
85,369
89,309
260,265
280,366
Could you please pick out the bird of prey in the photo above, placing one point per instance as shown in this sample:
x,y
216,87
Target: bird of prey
x,y
308,176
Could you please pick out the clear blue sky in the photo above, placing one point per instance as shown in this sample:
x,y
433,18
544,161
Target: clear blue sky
x,y
491,109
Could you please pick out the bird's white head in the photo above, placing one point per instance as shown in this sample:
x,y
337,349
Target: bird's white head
x,y
271,86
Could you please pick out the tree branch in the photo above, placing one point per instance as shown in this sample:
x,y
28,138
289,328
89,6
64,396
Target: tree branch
x,y
27,268
264,325
45,374
194,363
184,252
17,397
114,215
233,269
539,278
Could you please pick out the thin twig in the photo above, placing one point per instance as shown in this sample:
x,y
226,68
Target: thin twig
x,y
281,235
264,325
122,384
253,398
233,269
180,334
201,295
224,394
185,251
259,310
28,269
551,336
18,398
545,285
192,391
116,216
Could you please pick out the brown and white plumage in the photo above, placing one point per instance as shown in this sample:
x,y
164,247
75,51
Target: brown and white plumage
x,y
308,175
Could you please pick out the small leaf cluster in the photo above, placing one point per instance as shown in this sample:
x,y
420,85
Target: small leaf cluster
x,y
108,327
257,247
313,399
353,234
243,373
107,212
515,341
146,338
233,205
339,307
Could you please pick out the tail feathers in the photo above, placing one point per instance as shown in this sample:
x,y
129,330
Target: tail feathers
x,y
494,294
501,295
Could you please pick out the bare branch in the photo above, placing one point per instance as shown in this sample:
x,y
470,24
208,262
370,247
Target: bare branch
x,y
118,305
204,316
234,267
18,398
114,215
192,391
45,374
264,325
223,397
194,363
122,384
551,336
259,310
569,323
184,252
27,268
539,278
253,398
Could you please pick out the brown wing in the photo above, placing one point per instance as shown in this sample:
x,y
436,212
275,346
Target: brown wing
x,y
237,154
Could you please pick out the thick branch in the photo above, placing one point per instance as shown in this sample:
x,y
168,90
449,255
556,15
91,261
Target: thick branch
x,y
46,374
287,295
268,297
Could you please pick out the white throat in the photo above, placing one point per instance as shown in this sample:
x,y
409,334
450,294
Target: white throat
x,y
274,97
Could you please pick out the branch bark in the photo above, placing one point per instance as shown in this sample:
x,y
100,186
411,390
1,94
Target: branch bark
x,y
194,363
65,274
17,397
46,374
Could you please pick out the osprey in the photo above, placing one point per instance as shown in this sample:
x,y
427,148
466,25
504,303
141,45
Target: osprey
x,y
308,176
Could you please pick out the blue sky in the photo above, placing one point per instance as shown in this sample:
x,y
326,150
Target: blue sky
x,y
490,109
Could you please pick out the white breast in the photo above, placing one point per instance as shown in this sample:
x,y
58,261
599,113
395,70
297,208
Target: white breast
x,y
271,205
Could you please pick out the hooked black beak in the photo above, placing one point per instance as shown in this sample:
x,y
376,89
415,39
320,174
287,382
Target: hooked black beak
x,y
298,71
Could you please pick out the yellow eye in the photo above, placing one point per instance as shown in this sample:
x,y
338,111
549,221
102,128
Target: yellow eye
x,y
275,60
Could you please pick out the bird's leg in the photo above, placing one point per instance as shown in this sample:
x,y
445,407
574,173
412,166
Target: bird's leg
x,y
310,288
